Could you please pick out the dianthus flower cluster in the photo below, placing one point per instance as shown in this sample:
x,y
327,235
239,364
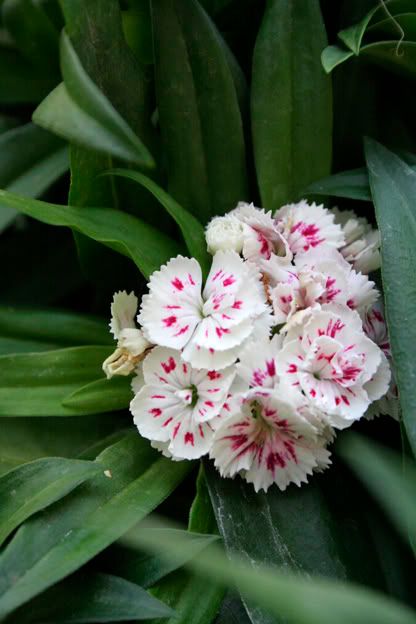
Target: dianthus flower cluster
x,y
260,364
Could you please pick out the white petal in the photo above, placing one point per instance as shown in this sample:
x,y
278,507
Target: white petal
x,y
257,366
172,309
308,226
164,367
123,311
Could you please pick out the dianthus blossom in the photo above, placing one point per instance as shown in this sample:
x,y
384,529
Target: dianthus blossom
x,y
260,364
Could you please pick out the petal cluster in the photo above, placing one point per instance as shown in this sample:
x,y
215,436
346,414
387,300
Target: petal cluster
x,y
258,365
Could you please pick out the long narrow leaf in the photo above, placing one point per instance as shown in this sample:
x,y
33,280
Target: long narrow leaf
x,y
133,480
34,486
146,246
191,228
393,187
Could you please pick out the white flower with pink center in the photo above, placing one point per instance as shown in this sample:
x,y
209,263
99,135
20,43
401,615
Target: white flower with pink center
x,y
362,242
261,237
375,327
267,441
178,406
329,359
317,277
131,343
308,226
175,314
257,365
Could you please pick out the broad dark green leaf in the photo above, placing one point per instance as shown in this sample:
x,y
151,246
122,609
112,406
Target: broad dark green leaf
x,y
32,329
192,230
147,247
35,384
296,535
34,486
352,184
291,101
232,611
101,396
383,472
137,28
95,30
180,588
78,111
128,560
34,33
393,187
134,479
297,598
25,439
199,111
92,598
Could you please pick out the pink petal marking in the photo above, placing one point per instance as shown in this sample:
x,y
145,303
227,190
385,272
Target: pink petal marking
x,y
177,283
182,330
168,366
292,368
158,396
165,424
189,438
191,280
229,281
169,321
275,460
271,368
237,305
214,375
155,411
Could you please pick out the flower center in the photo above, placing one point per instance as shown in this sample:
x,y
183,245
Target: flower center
x,y
188,395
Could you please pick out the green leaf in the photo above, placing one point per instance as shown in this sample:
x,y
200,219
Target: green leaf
x,y
192,230
31,171
298,598
232,611
32,329
352,184
140,242
92,598
353,36
400,59
199,111
128,560
333,55
382,471
34,486
134,479
78,111
179,589
26,439
393,187
95,30
296,535
35,384
34,33
291,101
101,396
